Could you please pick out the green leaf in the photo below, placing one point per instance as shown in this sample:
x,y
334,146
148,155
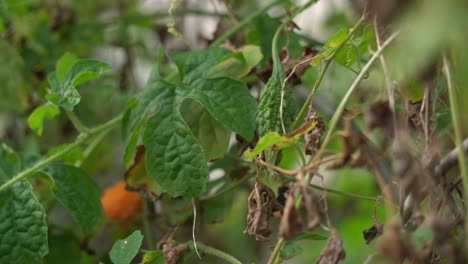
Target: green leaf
x,y
236,65
85,70
270,139
290,250
40,114
70,73
212,136
346,56
125,250
175,158
64,65
154,257
78,193
23,228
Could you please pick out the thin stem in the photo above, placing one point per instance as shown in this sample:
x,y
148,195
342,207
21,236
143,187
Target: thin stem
x,y
347,194
279,245
215,252
92,146
454,109
317,83
81,138
243,23
79,126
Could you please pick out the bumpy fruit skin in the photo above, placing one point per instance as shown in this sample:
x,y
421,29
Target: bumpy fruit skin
x,y
120,204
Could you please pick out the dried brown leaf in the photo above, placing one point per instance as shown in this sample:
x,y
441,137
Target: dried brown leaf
x,y
291,223
261,205
334,251
313,137
374,231
313,205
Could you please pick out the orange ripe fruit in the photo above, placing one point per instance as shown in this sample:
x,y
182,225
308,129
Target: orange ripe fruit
x,y
120,204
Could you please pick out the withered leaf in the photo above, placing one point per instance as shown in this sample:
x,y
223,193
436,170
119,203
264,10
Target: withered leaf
x,y
313,205
379,115
375,230
334,251
291,223
314,136
138,180
261,205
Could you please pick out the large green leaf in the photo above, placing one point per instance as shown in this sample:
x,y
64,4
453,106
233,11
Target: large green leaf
x,y
78,193
175,159
23,228
71,72
125,250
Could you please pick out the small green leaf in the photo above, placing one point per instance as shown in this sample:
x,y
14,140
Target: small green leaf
x,y
336,39
78,193
269,140
23,227
290,250
64,65
125,250
154,257
85,70
70,73
40,114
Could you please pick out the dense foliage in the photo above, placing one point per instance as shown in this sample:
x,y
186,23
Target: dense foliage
x,y
130,135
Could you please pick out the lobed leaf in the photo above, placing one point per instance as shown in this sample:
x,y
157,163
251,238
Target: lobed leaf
x,y
175,157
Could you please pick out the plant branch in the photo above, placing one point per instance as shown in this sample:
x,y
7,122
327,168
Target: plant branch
x,y
79,126
279,245
81,138
454,109
246,21
215,252
317,83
